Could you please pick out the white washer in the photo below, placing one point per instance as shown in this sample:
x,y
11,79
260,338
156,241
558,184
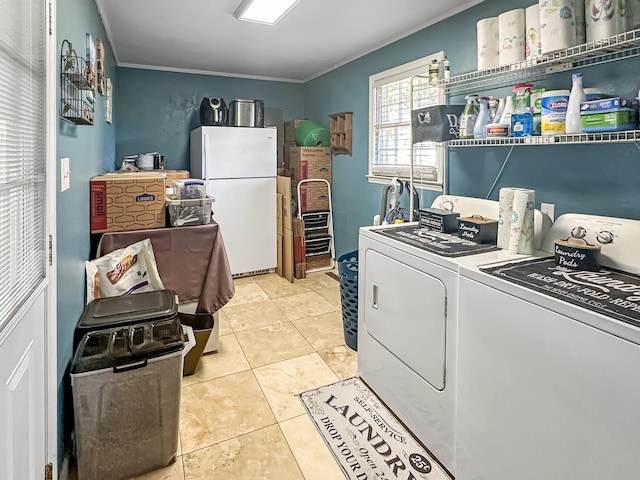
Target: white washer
x,y
548,389
407,326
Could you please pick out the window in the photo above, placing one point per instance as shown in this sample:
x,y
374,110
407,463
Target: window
x,y
22,153
390,106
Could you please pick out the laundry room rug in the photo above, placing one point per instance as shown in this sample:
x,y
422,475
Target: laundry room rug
x,y
365,438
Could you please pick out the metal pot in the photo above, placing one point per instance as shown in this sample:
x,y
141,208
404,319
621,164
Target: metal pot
x,y
246,113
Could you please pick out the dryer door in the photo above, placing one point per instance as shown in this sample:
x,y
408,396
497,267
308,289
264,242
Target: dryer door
x,y
405,311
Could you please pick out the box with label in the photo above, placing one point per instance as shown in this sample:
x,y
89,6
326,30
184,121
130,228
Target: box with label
x,y
607,105
127,201
313,198
613,121
308,162
290,131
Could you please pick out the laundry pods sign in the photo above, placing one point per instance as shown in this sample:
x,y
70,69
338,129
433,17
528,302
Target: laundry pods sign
x,y
364,437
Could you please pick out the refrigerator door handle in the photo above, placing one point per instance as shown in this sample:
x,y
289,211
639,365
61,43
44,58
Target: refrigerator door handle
x,y
204,153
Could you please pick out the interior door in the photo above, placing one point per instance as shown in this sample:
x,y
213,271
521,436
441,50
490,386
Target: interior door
x,y
28,407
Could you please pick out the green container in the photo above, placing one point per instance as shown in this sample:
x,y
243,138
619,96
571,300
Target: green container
x,y
608,121
311,134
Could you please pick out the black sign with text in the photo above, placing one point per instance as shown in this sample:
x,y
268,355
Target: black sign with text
x,y
609,292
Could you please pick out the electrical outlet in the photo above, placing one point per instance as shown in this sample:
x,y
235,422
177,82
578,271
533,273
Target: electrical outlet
x,y
65,174
549,209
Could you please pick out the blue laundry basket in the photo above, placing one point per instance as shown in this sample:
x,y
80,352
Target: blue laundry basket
x,y
348,271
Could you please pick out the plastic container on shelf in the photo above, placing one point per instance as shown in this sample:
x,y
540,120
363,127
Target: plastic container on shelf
x,y
348,272
196,211
189,189
554,111
468,117
522,118
573,123
484,118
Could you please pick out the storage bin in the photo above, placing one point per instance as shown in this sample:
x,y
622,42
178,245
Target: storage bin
x,y
348,272
126,385
189,189
195,211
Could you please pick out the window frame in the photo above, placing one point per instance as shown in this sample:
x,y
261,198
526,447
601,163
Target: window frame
x,y
410,70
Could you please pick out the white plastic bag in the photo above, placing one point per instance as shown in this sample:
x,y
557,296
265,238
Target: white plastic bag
x,y
127,270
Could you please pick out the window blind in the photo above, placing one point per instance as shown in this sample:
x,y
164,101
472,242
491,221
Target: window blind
x,y
23,253
391,123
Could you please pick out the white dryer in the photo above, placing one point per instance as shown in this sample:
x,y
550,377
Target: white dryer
x,y
407,319
549,362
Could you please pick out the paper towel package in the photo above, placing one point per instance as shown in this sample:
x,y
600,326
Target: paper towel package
x,y
533,47
604,19
511,27
516,220
487,38
557,25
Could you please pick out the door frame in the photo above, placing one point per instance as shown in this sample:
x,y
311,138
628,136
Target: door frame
x,y
51,325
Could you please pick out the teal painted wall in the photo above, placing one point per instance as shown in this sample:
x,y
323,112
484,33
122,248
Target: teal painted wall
x,y
156,110
588,179
91,150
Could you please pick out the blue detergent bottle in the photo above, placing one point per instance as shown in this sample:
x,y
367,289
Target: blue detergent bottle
x,y
522,118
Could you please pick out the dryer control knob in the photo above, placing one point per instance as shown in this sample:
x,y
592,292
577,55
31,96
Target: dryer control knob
x,y
604,237
578,232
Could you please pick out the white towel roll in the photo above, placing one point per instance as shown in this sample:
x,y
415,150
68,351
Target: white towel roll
x,y
533,47
505,212
557,24
521,238
605,19
487,38
511,27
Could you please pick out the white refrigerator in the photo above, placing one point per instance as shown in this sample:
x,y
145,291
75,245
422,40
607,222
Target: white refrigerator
x,y
239,167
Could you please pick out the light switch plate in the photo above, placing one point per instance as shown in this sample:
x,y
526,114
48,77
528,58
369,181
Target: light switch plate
x,y
549,209
65,174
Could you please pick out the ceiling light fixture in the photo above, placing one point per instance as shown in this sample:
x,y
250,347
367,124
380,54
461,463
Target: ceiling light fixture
x,y
264,11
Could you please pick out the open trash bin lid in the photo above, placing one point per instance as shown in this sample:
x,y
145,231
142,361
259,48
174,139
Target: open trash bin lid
x,y
122,346
126,310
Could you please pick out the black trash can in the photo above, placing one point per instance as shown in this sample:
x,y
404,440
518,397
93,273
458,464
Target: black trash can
x,y
348,271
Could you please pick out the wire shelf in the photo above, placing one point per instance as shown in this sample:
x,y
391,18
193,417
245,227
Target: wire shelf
x,y
567,139
76,87
616,47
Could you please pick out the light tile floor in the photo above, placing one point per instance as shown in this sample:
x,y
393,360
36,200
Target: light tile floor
x,y
240,416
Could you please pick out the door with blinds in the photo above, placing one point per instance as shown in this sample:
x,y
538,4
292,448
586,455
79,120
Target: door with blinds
x,y
25,219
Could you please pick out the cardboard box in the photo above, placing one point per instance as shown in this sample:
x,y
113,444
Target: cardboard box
x,y
287,254
279,213
127,201
168,175
313,198
290,131
279,242
284,187
308,162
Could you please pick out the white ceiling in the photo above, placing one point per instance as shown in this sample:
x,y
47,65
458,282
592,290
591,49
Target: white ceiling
x,y
316,36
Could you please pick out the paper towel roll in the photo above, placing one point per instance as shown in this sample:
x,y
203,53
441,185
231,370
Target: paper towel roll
x,y
511,26
487,41
633,14
516,220
505,212
521,237
557,24
533,47
581,33
604,18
